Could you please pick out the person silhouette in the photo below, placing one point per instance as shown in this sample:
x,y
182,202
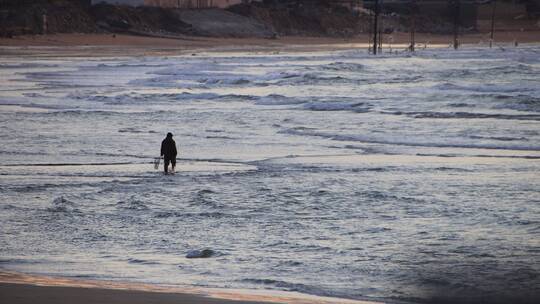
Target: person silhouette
x,y
168,152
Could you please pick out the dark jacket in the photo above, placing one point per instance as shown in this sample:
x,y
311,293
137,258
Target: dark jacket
x,y
168,148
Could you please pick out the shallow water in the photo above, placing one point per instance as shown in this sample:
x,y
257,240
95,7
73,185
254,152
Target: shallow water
x,y
402,178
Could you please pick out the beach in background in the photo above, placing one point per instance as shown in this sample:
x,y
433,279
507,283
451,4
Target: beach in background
x,y
117,44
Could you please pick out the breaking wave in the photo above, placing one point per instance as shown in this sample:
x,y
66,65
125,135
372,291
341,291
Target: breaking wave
x,y
467,115
413,142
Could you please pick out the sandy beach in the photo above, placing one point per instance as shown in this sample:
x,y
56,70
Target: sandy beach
x,y
19,293
18,288
128,45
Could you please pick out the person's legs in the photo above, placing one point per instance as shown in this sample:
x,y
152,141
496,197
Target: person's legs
x,y
173,163
166,164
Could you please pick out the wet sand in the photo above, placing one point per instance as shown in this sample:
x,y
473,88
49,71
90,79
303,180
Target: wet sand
x,y
18,288
29,294
127,45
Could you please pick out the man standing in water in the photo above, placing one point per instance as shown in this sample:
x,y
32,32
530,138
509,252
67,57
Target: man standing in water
x,y
168,151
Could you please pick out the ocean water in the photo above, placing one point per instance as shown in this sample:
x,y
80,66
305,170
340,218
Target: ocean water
x,y
403,178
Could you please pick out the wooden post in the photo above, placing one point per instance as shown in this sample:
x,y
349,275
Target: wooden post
x,y
45,25
413,29
380,40
375,24
456,23
492,24
413,8
370,33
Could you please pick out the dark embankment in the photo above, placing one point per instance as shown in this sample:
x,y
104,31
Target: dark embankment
x,y
256,20
52,17
267,19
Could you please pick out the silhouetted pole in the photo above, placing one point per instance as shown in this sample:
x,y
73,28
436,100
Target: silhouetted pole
x,y
492,24
45,24
412,28
375,30
456,23
370,33
380,40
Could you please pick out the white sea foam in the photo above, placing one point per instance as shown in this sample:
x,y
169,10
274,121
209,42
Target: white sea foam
x,y
389,139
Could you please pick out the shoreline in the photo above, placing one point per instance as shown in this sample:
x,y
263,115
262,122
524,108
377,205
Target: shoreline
x,y
101,45
20,288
